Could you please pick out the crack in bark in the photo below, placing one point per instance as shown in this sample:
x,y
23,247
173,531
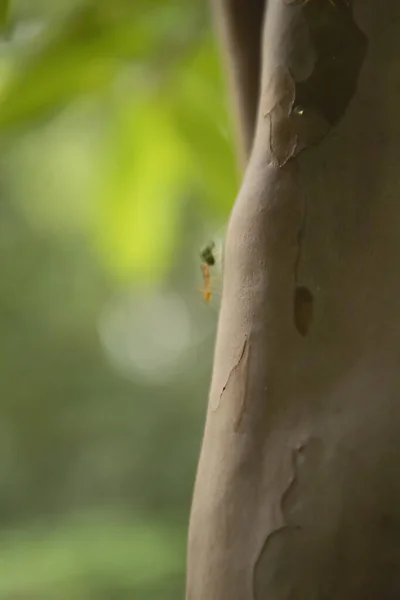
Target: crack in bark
x,y
233,370
244,395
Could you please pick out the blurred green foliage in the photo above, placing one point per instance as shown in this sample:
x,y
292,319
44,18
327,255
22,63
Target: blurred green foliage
x,y
116,164
4,10
153,67
94,554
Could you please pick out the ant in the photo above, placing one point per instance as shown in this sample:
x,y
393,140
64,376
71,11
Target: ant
x,y
208,261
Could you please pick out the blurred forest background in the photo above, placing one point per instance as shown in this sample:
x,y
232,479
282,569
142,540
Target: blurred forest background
x,y
116,166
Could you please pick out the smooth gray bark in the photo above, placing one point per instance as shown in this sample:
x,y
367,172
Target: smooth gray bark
x,y
298,489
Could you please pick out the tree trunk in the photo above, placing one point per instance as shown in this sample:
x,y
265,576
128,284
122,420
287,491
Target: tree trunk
x,y
298,489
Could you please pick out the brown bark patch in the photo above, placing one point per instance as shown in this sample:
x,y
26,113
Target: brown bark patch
x,y
340,48
303,309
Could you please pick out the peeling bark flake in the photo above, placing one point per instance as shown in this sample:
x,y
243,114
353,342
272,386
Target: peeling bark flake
x,y
266,579
280,92
307,97
283,526
277,103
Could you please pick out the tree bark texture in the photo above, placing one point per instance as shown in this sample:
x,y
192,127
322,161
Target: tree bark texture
x,y
297,493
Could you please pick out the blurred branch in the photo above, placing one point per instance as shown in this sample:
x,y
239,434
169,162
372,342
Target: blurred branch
x,y
239,27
